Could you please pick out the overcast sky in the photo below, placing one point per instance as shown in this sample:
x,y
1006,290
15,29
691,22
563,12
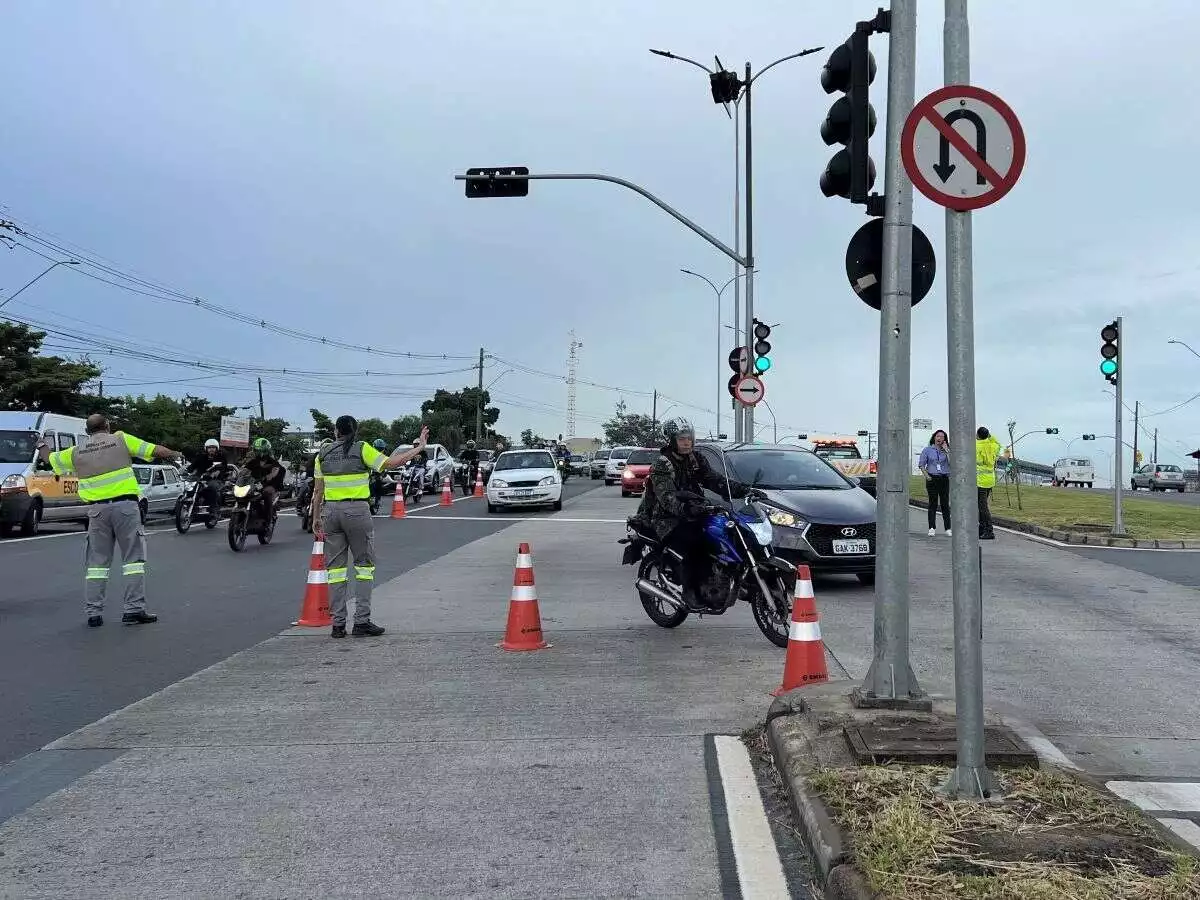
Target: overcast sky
x,y
294,161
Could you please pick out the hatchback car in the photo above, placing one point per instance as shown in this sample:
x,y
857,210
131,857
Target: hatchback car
x,y
637,470
822,518
615,463
1158,477
161,487
599,461
524,478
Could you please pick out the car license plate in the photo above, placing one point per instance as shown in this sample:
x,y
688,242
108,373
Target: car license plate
x,y
851,546
527,493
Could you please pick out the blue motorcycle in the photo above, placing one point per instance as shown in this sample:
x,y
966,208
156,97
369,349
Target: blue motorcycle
x,y
741,567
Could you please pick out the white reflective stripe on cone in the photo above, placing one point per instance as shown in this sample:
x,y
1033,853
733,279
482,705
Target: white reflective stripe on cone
x,y
805,631
804,589
318,547
524,561
524,592
318,576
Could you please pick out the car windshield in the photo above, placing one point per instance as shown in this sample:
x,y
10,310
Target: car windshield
x,y
576,457
531,459
643,457
838,452
621,453
142,474
784,470
485,455
17,446
602,454
1169,469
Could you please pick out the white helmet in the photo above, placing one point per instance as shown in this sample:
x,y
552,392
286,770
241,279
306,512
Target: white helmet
x,y
212,442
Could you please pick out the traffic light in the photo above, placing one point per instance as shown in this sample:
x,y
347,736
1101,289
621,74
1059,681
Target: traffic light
x,y
1089,437
497,185
851,120
1051,431
762,347
1109,351
725,86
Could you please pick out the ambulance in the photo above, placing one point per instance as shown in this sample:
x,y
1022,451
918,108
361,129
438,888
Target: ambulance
x,y
30,492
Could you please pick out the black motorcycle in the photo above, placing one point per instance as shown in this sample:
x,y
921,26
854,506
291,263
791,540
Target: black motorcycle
x,y
304,495
412,482
382,485
249,513
740,566
464,477
564,468
190,504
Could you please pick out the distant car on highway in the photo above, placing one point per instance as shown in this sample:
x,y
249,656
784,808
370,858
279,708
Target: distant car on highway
x,y
821,517
1074,470
637,470
524,478
579,465
615,463
1158,477
599,461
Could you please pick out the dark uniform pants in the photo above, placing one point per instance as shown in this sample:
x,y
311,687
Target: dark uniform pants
x,y
115,526
349,530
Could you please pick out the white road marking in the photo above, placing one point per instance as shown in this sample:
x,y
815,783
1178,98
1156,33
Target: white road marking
x,y
1186,829
62,534
507,518
1173,795
758,867
1039,743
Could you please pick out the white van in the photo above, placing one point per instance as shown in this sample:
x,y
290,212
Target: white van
x,y
30,492
1074,470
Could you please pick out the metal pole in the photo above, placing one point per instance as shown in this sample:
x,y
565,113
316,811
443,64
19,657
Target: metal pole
x,y
262,412
971,778
1119,451
748,428
1136,408
479,402
737,247
890,679
1156,446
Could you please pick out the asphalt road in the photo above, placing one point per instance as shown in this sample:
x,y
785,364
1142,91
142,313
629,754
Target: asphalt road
x,y
1177,566
58,674
1188,498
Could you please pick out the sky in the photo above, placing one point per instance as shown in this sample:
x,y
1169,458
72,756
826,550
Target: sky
x,y
293,161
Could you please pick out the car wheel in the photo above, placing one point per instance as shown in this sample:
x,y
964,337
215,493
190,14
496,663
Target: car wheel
x,y
624,493
492,507
557,506
33,520
1133,485
866,577
1181,490
144,510
5,530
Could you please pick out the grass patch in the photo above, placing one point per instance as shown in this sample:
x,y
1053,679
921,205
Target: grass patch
x,y
1050,837
1069,508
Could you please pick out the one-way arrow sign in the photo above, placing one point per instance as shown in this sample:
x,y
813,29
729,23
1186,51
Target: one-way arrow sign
x,y
750,390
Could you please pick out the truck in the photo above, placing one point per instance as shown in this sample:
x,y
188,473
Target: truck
x,y
843,454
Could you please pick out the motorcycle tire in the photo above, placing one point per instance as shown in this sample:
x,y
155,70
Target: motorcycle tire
x,y
267,532
237,532
212,520
183,515
669,618
373,504
774,619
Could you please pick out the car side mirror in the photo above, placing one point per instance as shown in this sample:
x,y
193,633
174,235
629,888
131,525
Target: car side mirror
x,y
43,466
855,480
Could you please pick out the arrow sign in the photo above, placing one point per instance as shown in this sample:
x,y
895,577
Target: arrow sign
x,y
749,390
959,167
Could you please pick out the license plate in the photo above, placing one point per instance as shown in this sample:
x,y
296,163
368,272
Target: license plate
x,y
851,546
528,493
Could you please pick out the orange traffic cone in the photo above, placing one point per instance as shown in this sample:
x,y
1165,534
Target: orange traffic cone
x,y
446,501
398,511
524,629
315,611
805,661
478,483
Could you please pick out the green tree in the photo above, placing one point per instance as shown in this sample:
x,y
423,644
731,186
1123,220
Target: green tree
x,y
31,381
322,425
180,424
463,403
445,427
404,430
370,430
632,429
529,439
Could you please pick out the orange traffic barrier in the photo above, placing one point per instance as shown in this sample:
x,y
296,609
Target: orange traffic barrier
x,y
524,628
805,661
315,611
398,510
446,500
478,483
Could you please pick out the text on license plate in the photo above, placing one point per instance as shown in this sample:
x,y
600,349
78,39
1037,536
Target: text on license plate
x,y
851,546
527,493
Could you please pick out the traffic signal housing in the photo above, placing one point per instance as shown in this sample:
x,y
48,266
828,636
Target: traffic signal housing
x,y
1110,352
851,120
762,347
1088,437
497,184
1051,431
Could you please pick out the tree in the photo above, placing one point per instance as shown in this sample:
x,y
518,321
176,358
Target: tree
x,y
370,430
529,439
404,430
287,447
632,429
180,424
44,383
322,425
463,403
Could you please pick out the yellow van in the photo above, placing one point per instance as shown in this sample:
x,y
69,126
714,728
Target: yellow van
x,y
30,493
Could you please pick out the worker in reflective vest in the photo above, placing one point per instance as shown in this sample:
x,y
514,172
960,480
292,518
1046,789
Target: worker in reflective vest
x,y
343,484
987,451
103,465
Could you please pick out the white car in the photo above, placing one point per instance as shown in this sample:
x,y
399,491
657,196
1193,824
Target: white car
x,y
524,478
616,462
161,486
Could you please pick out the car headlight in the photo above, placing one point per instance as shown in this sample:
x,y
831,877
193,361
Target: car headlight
x,y
497,482
626,474
762,532
549,479
13,483
783,518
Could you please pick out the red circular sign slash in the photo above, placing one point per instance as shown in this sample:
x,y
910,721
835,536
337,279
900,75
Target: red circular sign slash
x,y
926,110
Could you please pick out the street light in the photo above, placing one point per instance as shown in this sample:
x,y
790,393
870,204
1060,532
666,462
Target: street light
x,y
910,428
727,88
718,291
51,267
1183,344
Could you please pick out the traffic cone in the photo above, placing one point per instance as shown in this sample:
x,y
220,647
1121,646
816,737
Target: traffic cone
x,y
315,611
478,483
398,511
446,501
524,628
805,661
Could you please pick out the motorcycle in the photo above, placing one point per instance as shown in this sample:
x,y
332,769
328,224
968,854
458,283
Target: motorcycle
x,y
412,483
564,468
249,514
189,504
382,485
741,567
464,477
304,495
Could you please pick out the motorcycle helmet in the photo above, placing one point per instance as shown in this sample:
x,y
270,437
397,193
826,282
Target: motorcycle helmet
x,y
261,445
470,445
678,427
378,444
212,443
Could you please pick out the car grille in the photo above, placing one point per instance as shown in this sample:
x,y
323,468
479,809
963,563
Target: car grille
x,y
523,484
821,537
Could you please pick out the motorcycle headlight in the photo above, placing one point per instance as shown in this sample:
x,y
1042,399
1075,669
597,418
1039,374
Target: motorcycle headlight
x,y
13,483
762,532
241,490
783,518
549,479
498,482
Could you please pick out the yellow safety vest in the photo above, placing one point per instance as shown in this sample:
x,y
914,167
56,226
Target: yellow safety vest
x,y
345,468
987,451
103,464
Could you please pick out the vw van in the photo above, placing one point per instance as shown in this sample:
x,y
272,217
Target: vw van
x,y
30,493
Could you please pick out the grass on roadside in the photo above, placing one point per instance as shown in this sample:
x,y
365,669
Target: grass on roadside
x,y
1049,837
1068,507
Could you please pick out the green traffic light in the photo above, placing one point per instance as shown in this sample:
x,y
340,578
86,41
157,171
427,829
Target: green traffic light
x,y
762,363
1108,367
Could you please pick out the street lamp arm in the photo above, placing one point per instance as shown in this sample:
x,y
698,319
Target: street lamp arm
x,y
669,55
36,278
1184,344
703,277
735,278
782,59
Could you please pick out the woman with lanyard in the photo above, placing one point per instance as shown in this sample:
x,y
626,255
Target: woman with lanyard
x,y
935,463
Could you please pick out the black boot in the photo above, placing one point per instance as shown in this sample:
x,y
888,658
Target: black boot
x,y
138,618
367,629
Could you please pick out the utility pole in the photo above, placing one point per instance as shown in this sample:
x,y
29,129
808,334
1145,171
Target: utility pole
x,y
654,413
479,403
890,681
1156,446
1119,449
1136,408
748,412
100,390
971,778
735,412
262,412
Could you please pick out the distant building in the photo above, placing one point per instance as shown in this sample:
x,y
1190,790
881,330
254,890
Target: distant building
x,y
584,446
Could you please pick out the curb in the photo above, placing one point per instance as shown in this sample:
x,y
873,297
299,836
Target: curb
x,y
1080,538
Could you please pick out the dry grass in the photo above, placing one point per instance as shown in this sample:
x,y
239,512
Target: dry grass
x,y
1049,837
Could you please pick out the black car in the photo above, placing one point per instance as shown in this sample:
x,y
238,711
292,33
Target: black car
x,y
821,518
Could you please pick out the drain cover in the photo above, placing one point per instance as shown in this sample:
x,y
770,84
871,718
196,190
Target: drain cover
x,y
929,744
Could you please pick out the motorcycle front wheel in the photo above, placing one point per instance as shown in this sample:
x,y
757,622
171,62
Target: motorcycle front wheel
x,y
774,614
373,504
183,515
267,532
237,531
661,613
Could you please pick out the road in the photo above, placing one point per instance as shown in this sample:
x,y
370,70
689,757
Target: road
x,y
1188,498
59,675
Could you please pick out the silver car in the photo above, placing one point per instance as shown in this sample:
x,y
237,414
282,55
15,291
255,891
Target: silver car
x,y
599,461
161,487
1158,477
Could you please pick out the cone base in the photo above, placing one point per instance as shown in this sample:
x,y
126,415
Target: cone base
x,y
312,623
783,689
505,645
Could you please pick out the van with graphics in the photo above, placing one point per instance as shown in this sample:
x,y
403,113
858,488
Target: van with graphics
x,y
30,492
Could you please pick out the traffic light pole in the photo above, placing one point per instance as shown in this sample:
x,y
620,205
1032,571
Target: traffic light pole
x,y
1119,449
748,265
971,778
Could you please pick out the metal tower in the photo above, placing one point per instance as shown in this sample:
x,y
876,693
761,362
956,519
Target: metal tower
x,y
572,368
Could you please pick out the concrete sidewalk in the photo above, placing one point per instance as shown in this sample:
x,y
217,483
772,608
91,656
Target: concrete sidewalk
x,y
424,763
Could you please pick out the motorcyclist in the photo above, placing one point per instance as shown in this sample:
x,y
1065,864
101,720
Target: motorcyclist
x,y
212,469
267,470
469,457
419,464
676,519
377,478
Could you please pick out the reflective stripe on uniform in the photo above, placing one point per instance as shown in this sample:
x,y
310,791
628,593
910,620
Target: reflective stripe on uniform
x,y
133,568
364,573
97,573
109,485
337,576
